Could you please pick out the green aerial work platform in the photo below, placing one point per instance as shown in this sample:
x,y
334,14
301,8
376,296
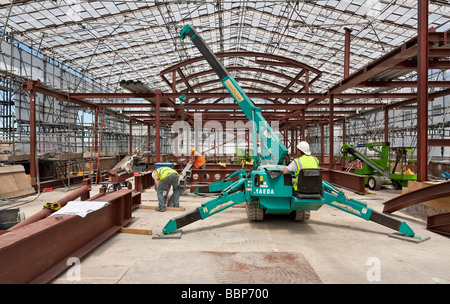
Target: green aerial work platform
x,y
379,168
265,189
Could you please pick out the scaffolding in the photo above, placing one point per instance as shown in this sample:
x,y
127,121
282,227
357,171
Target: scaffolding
x,y
64,131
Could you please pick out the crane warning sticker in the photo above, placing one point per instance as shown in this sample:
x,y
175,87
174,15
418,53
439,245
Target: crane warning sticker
x,y
221,206
230,86
346,208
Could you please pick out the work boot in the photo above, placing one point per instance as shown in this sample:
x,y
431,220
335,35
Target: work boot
x,y
160,210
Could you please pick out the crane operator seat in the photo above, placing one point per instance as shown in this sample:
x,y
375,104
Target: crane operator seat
x,y
309,184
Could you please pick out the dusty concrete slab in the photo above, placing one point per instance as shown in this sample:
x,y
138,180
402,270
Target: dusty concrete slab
x,y
339,247
214,267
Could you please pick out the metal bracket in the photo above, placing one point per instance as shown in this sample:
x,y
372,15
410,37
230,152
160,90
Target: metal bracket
x,y
415,239
174,235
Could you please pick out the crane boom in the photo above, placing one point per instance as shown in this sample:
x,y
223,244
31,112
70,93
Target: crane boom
x,y
272,149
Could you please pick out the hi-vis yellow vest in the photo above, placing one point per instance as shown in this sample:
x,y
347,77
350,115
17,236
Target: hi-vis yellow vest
x,y
164,171
304,162
200,160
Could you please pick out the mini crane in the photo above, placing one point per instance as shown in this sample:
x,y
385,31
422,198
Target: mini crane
x,y
265,189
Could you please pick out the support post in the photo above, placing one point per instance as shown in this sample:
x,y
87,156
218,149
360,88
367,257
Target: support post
x,y
322,143
303,126
33,157
306,86
347,53
148,146
95,132
331,139
131,137
296,141
386,124
293,143
157,125
344,133
286,137
422,91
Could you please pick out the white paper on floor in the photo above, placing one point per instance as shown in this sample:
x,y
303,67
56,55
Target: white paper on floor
x,y
81,208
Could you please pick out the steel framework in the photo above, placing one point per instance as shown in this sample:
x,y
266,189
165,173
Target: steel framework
x,y
313,66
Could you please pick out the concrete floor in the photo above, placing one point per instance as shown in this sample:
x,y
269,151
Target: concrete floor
x,y
332,247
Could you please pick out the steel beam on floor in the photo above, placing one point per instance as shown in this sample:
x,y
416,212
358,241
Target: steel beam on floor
x,y
38,252
439,223
417,196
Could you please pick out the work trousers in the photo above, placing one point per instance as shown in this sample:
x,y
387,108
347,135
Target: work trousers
x,y
171,179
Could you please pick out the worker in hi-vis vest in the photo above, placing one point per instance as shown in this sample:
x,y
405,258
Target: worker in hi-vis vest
x,y
305,161
198,159
166,177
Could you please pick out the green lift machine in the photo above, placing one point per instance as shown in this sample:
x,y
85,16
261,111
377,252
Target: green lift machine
x,y
381,167
265,189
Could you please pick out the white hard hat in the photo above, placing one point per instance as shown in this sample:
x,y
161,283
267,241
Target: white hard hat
x,y
304,147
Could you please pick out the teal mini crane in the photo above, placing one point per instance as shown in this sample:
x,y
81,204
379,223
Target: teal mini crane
x,y
265,189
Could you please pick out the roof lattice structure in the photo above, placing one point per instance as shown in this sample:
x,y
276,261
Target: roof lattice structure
x,y
115,40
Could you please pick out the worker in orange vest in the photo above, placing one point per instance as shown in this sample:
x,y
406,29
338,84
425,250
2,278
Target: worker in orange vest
x,y
198,159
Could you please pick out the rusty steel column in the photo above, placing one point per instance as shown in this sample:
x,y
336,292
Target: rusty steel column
x,y
344,133
131,137
157,125
422,91
174,81
386,124
95,131
306,88
322,143
331,140
286,137
33,158
302,134
296,140
347,53
148,146
293,144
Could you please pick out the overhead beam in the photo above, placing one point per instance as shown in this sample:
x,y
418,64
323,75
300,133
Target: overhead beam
x,y
402,84
229,106
76,96
398,55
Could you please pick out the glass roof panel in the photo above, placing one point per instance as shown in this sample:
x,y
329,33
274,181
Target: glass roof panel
x,y
121,40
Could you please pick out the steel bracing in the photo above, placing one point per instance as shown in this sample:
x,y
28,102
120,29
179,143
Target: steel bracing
x,y
315,67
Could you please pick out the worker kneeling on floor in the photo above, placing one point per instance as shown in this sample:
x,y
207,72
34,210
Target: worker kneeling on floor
x,y
166,177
